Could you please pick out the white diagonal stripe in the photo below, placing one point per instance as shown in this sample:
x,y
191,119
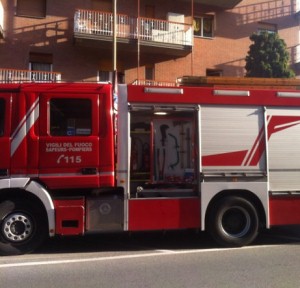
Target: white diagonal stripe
x,y
24,126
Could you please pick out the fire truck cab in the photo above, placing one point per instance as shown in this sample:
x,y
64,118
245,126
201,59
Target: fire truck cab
x,y
57,150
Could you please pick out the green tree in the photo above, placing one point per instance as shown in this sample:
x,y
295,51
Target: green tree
x,y
268,57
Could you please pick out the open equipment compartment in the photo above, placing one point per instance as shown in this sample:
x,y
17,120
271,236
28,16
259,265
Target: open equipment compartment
x,y
162,152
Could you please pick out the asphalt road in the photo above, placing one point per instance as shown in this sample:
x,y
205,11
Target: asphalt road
x,y
159,260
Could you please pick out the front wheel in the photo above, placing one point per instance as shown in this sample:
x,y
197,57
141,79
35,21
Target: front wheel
x,y
22,226
233,222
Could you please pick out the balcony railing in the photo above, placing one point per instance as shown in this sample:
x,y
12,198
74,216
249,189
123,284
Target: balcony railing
x,y
146,29
21,76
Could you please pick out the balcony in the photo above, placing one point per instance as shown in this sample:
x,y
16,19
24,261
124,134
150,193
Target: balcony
x,y
153,35
221,4
21,76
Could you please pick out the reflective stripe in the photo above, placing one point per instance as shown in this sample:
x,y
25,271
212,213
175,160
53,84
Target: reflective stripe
x,y
100,174
24,126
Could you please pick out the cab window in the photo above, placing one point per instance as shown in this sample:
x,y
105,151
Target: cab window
x,y
70,117
2,114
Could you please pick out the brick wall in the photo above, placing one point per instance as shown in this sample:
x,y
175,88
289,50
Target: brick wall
x,y
225,51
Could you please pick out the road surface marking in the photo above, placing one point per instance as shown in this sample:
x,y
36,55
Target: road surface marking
x,y
122,257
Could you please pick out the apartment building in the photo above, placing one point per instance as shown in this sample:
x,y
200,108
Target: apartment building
x,y
156,40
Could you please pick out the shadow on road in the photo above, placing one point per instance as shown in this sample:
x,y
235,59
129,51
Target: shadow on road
x,y
170,240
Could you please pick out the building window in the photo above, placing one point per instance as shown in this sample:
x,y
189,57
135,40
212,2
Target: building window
x,y
2,116
150,11
107,76
31,8
40,62
203,26
214,72
267,27
37,66
70,117
149,73
102,5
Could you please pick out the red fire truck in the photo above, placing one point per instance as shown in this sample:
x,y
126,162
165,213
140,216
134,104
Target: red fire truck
x,y
224,157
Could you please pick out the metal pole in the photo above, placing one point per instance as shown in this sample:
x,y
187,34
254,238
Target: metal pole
x,y
114,41
192,53
138,41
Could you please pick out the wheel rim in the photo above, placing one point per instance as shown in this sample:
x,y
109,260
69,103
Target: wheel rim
x,y
17,227
236,222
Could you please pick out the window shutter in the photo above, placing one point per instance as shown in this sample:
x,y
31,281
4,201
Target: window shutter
x,y
31,8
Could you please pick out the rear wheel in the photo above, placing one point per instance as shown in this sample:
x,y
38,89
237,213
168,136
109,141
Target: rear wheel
x,y
233,222
23,226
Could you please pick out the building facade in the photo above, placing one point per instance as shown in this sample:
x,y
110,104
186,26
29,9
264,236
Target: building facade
x,y
156,40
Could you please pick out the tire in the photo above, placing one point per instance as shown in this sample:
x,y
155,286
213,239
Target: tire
x,y
233,222
23,226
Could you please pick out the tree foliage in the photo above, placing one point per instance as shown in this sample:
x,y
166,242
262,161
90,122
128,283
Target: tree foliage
x,y
268,57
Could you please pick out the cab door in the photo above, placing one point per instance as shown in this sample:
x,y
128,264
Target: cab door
x,y
5,119
69,140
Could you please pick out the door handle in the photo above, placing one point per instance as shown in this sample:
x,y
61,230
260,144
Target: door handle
x,y
89,171
3,172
